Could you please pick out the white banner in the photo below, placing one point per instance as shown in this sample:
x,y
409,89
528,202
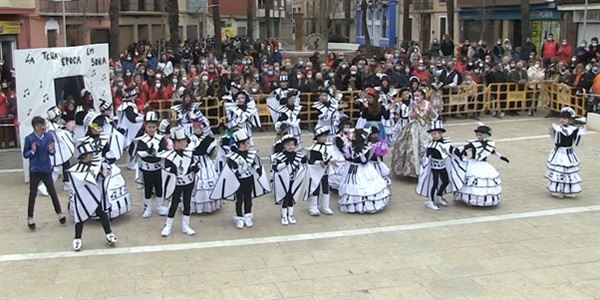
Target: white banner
x,y
36,71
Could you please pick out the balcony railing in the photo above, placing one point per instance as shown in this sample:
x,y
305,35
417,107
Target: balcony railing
x,y
141,6
421,5
74,7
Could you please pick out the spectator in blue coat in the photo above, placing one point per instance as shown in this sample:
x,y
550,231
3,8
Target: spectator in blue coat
x,y
38,147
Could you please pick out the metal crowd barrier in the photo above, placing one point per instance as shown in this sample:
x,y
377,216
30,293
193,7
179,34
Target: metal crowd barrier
x,y
464,99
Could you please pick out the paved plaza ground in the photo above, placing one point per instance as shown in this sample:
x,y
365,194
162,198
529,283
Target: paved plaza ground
x,y
530,247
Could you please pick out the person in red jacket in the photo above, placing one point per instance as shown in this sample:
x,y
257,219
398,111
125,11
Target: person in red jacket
x,y
160,92
422,72
549,50
565,51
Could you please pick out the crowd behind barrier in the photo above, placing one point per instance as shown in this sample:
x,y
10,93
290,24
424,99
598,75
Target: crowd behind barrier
x,y
462,100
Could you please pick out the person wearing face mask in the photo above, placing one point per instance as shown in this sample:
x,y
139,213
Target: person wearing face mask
x,y
565,51
5,94
199,87
128,64
268,79
498,50
527,49
450,77
583,54
435,49
535,75
594,49
549,50
160,92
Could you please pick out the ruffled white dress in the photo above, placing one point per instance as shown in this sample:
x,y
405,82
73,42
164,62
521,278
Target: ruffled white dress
x,y
562,172
482,184
363,190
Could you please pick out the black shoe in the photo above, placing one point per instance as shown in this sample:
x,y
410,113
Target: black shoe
x,y
31,224
62,220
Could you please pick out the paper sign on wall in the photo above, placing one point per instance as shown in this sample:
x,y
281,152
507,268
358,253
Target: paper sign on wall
x,y
47,76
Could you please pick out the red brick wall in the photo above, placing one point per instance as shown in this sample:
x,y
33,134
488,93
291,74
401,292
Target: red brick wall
x,y
233,7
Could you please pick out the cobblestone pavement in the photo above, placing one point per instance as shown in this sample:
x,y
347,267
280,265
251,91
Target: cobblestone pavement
x,y
530,247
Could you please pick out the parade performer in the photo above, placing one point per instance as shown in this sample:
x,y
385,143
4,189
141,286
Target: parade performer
x,y
363,189
242,179
482,181
149,172
289,114
205,148
386,97
563,164
89,197
442,170
178,175
340,144
84,105
372,112
328,108
111,128
280,95
242,113
380,149
38,148
187,111
402,113
117,192
64,148
410,147
320,163
129,118
288,178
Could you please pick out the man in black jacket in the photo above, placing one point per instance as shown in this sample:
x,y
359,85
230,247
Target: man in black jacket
x,y
527,49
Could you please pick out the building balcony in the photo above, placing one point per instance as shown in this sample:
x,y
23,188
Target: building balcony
x,y
17,4
142,7
74,7
422,5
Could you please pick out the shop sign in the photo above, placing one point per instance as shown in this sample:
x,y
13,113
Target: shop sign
x,y
10,27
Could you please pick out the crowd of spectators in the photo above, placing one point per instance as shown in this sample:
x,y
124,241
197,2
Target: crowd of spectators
x,y
159,72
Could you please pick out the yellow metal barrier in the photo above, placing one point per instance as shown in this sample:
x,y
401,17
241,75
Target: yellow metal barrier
x,y
464,99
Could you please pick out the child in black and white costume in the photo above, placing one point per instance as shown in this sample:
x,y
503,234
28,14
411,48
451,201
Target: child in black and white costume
x,y
482,181
289,114
178,175
563,164
386,97
130,122
242,113
320,163
89,180
64,148
441,171
116,189
380,149
149,171
341,141
205,148
288,177
328,108
402,113
363,189
111,128
242,179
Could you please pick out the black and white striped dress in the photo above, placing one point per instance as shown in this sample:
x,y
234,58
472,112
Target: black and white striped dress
x,y
482,181
563,164
204,150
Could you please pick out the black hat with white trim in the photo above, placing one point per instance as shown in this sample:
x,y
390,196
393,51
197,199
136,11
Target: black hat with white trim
x,y
567,112
54,112
240,136
437,126
85,147
178,134
151,116
321,131
105,105
288,137
484,129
